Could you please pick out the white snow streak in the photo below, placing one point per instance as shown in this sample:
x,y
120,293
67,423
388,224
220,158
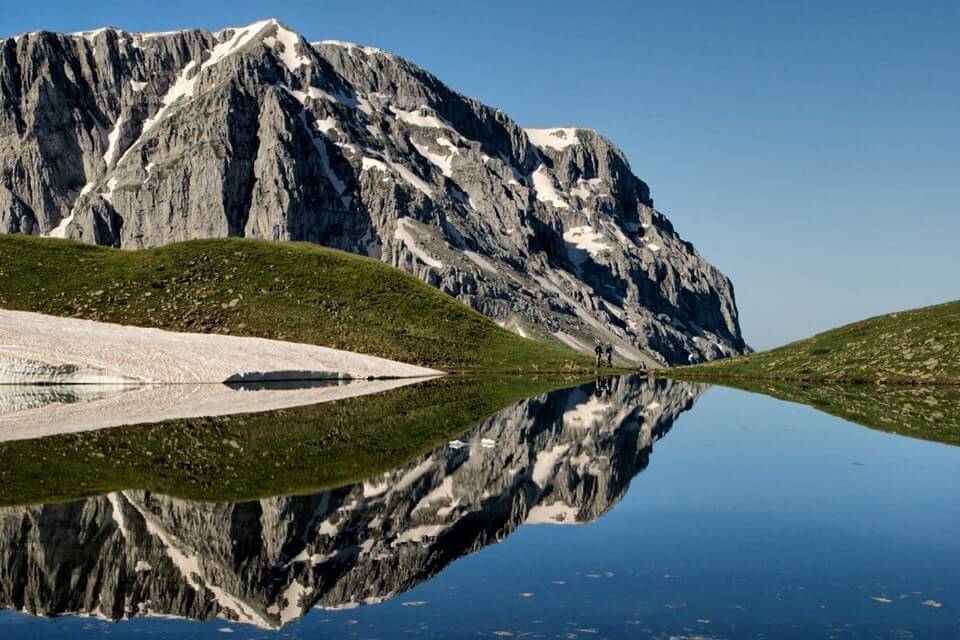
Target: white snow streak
x,y
112,139
422,117
546,190
406,228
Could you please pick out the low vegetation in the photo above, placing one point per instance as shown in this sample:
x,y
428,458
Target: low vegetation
x,y
287,291
921,346
928,412
231,458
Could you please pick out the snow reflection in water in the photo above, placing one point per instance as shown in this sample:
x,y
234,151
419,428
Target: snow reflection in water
x,y
28,411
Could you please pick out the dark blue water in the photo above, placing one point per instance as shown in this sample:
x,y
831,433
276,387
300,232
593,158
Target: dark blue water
x,y
748,518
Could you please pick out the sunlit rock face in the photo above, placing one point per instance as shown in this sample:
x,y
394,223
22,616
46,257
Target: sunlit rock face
x,y
558,459
138,140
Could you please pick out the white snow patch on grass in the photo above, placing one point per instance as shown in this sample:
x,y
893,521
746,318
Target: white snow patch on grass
x,y
34,349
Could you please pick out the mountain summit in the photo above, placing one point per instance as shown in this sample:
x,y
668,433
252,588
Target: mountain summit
x,y
135,140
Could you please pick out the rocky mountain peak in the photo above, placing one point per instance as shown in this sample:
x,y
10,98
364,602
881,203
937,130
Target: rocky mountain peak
x,y
135,140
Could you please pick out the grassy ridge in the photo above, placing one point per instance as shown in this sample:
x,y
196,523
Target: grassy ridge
x,y
921,346
928,412
282,290
233,458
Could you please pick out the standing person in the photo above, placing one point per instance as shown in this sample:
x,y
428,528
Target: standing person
x,y
599,351
609,354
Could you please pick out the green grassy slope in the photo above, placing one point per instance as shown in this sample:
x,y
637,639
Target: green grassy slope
x,y
244,457
921,346
928,412
283,290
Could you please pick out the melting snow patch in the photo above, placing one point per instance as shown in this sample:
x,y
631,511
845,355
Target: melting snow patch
x,y
290,41
442,162
653,247
373,163
422,117
556,513
586,414
112,140
458,444
406,228
558,139
546,462
586,239
546,190
420,534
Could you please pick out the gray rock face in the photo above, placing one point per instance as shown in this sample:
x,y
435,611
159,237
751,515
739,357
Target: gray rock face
x,y
137,140
566,457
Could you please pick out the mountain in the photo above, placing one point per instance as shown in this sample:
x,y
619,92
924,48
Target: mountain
x,y
560,458
135,140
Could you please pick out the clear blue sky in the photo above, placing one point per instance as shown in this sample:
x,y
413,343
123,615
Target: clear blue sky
x,y
810,150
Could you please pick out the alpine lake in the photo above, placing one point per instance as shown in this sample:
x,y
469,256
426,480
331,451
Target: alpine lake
x,y
469,507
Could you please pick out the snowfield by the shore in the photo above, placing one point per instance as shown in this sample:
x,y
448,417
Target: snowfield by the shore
x,y
28,412
42,349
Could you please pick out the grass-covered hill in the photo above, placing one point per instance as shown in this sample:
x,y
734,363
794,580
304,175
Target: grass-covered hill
x,y
928,412
921,346
282,290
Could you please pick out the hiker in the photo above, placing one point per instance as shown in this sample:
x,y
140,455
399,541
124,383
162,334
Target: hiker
x,y
599,351
609,354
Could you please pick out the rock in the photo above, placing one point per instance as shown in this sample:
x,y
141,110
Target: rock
x,y
134,141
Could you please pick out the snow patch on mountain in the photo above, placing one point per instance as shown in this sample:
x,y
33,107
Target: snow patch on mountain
x,y
558,139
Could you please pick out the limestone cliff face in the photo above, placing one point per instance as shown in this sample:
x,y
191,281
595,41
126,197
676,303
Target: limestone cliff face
x,y
561,458
137,140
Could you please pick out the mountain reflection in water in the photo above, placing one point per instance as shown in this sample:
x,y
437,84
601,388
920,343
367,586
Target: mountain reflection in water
x,y
560,458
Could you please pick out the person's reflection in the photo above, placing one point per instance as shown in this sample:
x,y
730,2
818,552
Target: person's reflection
x,y
603,387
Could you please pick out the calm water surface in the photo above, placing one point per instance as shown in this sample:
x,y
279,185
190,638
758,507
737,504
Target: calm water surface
x,y
635,509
